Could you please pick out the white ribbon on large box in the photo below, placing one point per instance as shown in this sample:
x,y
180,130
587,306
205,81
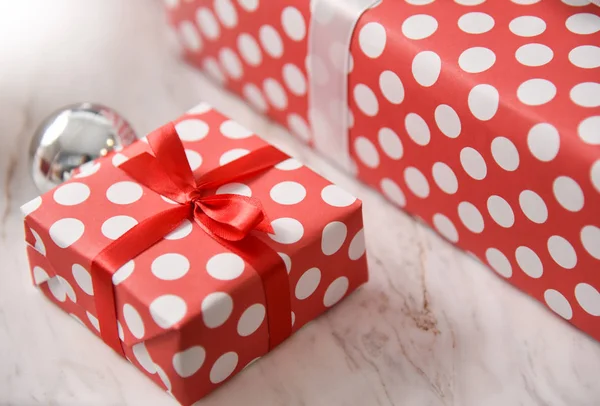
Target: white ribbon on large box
x,y
330,34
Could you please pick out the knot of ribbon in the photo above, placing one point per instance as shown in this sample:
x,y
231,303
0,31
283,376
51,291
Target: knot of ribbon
x,y
230,219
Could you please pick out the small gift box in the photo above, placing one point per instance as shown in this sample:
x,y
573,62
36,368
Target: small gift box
x,y
480,117
195,250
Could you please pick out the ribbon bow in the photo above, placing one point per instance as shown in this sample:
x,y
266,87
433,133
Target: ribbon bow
x,y
228,218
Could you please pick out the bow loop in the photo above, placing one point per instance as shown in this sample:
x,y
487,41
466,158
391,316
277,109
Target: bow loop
x,y
148,171
169,151
227,218
231,217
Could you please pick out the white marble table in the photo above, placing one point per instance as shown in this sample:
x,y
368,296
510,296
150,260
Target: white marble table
x,y
433,327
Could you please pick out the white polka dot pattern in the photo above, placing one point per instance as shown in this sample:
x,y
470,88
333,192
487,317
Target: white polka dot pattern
x,y
476,23
476,60
275,94
419,26
588,298
445,178
366,100
500,211
334,235
417,129
293,23
416,182
65,232
249,50
514,136
186,363
230,61
232,155
192,130
562,252
498,261
372,39
445,227
534,54
426,68
558,303
207,23
194,159
473,163
83,279
288,193
116,226
71,194
226,13
390,143
225,266
470,217
31,206
366,152
223,367
505,153
187,286
335,291
393,192
447,121
527,26
40,275
189,36
271,41
168,310
133,320
535,92
140,353
170,266
335,196
123,272
391,86
38,244
308,283
124,192
533,206
529,262
543,141
251,320
483,101
184,229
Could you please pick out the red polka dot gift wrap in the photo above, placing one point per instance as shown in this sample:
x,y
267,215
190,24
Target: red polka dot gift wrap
x,y
481,117
192,313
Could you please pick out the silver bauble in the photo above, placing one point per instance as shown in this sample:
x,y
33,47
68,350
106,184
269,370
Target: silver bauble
x,y
72,136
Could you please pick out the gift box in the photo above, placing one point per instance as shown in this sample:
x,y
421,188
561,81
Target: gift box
x,y
194,276
479,117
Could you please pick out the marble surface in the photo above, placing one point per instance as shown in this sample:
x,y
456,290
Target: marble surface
x,y
433,326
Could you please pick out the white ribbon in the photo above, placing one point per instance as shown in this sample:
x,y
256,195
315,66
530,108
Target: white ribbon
x,y
330,34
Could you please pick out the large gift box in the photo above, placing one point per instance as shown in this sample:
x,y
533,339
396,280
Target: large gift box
x,y
482,118
192,276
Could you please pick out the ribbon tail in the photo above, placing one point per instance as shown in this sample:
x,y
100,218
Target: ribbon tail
x,y
265,226
128,246
231,216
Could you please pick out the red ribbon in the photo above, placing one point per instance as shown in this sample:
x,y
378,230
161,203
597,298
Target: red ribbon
x,y
227,218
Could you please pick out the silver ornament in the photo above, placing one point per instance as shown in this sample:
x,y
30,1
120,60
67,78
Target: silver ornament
x,y
72,136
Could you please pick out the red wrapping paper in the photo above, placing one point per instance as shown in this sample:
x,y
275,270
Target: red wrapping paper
x,y
191,314
481,118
